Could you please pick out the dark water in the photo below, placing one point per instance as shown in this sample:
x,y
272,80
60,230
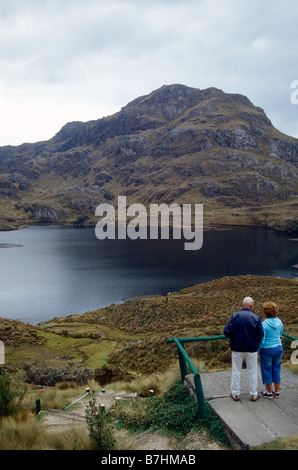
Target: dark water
x,y
59,271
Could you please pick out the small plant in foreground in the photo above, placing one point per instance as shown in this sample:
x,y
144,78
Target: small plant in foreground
x,y
99,429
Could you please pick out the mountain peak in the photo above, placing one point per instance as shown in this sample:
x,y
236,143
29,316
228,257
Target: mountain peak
x,y
176,143
171,101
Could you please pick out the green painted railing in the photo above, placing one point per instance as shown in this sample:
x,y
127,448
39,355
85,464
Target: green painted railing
x,y
185,361
289,337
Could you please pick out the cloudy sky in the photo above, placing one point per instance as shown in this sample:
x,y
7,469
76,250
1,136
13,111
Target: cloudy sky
x,y
68,60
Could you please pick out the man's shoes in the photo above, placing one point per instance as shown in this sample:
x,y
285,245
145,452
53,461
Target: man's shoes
x,y
267,395
235,397
276,394
254,397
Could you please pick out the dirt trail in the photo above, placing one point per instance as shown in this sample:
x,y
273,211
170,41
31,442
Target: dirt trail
x,y
58,421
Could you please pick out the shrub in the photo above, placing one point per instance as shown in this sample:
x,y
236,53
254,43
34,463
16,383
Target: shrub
x,y
11,395
50,376
99,429
175,411
107,374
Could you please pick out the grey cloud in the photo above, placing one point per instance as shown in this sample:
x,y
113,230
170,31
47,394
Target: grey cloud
x,y
126,48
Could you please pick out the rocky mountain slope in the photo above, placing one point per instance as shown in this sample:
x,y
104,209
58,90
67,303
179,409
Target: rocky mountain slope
x,y
175,145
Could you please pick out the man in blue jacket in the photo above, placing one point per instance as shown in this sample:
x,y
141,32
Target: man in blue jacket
x,y
244,329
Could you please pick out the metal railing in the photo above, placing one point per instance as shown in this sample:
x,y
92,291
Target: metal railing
x,y
185,361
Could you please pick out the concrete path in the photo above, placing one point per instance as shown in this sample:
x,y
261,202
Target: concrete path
x,y
247,423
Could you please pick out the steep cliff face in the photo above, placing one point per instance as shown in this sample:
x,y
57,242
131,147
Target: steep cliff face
x,y
177,144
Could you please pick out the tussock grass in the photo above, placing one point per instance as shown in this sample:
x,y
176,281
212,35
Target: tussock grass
x,y
57,398
159,383
20,434
287,443
24,432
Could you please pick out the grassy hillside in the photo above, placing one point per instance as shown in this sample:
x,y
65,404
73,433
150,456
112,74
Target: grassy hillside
x,y
138,343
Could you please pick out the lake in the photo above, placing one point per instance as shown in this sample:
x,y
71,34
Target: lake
x,y
51,271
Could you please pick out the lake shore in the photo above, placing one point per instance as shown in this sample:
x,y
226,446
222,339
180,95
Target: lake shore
x,y
53,271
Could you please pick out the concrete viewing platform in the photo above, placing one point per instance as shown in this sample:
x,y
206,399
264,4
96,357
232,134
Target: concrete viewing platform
x,y
249,424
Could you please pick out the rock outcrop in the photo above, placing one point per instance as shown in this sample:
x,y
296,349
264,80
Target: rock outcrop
x,y
44,214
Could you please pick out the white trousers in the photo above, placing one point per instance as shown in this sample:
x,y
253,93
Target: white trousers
x,y
252,368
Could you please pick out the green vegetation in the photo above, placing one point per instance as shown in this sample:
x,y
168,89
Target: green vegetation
x,y
99,428
23,432
135,357
175,411
287,443
11,395
50,376
138,344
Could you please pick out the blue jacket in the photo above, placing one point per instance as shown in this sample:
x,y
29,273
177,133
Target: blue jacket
x,y
273,328
245,331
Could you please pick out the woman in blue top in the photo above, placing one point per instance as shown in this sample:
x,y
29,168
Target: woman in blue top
x,y
271,350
